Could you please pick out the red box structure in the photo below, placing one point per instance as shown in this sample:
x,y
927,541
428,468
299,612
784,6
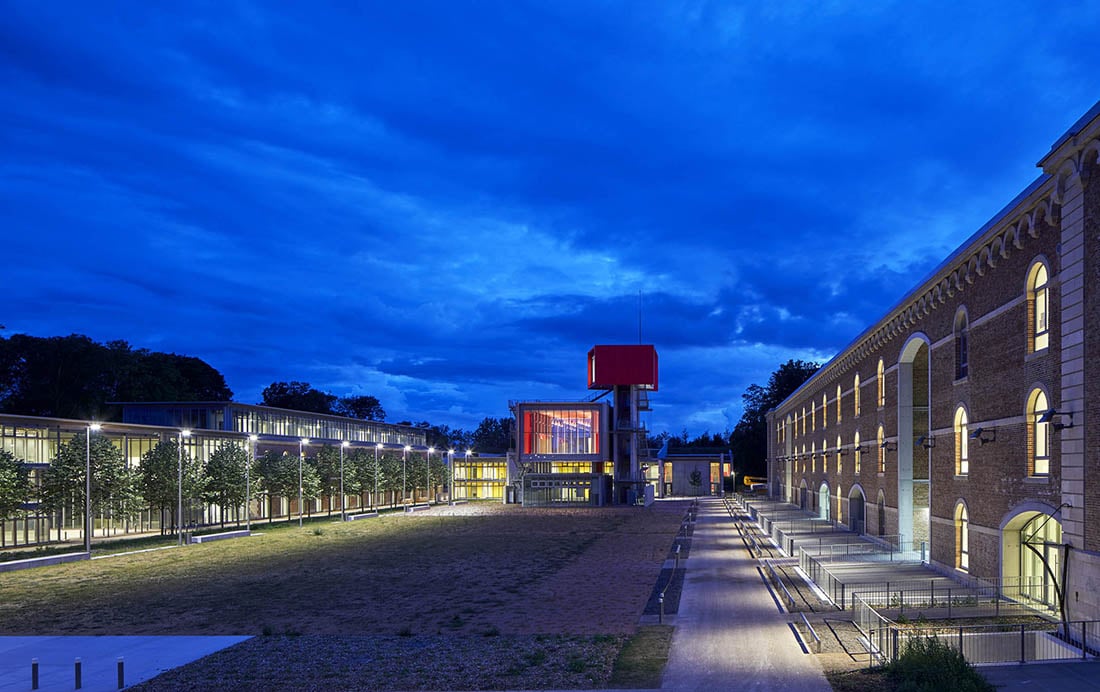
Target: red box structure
x,y
613,366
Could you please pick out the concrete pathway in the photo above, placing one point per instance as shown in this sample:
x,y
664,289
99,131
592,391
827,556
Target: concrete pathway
x,y
730,632
143,658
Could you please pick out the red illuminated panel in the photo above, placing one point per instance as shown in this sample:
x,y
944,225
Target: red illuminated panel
x,y
611,366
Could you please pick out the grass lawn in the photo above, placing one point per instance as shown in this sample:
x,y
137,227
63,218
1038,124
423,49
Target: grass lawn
x,y
557,588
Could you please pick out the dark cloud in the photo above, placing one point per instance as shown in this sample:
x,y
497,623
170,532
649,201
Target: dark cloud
x,y
447,207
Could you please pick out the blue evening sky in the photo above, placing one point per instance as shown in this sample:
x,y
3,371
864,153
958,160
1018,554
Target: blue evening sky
x,y
446,204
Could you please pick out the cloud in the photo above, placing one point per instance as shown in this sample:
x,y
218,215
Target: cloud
x,y
447,208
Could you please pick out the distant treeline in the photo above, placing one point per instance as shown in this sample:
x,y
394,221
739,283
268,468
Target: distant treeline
x,y
74,377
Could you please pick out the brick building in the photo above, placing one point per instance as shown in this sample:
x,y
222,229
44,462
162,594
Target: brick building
x,y
964,423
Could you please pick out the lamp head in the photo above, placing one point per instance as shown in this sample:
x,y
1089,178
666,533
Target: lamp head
x,y
185,433
345,443
253,438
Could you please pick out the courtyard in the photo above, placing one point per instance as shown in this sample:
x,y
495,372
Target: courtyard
x,y
475,596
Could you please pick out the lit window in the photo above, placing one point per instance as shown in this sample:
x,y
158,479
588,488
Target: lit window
x,y
962,443
813,457
881,447
881,380
839,458
962,538
962,345
1038,435
824,411
857,453
855,394
803,420
813,418
839,396
1038,304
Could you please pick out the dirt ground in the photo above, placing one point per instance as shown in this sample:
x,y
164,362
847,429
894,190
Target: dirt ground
x,y
475,568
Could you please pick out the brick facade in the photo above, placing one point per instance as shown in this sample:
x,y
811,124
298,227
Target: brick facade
x,y
986,285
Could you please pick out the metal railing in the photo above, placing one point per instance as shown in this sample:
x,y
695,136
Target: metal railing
x,y
885,640
788,599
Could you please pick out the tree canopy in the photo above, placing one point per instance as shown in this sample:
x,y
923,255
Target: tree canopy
x,y
302,396
74,377
749,441
15,486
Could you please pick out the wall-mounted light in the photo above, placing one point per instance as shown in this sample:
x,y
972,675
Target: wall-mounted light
x,y
926,441
860,449
982,435
1048,417
889,446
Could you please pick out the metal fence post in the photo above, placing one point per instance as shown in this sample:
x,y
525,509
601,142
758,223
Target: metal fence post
x,y
76,674
34,673
1023,648
121,674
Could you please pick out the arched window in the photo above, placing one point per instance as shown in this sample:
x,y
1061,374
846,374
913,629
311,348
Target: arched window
x,y
962,443
881,448
813,418
962,538
824,410
813,457
803,420
1038,434
855,394
962,345
1038,308
839,458
857,453
839,397
881,384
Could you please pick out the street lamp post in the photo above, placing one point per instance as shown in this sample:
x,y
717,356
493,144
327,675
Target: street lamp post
x,y
467,472
179,486
247,483
404,485
374,498
301,457
92,427
428,476
451,466
343,512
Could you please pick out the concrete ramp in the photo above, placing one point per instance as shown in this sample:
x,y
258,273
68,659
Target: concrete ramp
x,y
143,658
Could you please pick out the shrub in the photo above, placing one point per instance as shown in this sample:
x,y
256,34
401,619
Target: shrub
x,y
929,665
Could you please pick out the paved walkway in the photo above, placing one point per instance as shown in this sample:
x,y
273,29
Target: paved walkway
x,y
143,658
730,632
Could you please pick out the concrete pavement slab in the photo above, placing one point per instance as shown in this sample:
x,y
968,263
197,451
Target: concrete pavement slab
x,y
143,658
730,632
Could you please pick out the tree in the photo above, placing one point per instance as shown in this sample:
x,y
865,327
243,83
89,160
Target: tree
x,y
225,477
298,396
493,435
279,477
327,466
391,476
74,377
160,471
114,487
749,441
359,473
362,407
15,484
